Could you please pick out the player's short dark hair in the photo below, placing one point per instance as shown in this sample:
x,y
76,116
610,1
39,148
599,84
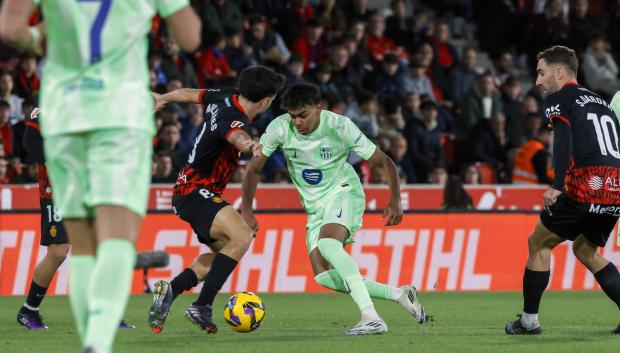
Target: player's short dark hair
x,y
559,54
258,82
299,95
4,104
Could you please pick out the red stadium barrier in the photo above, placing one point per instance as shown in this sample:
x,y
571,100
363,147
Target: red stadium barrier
x,y
488,197
442,251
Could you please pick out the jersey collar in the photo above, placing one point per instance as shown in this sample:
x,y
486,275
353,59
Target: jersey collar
x,y
570,83
235,100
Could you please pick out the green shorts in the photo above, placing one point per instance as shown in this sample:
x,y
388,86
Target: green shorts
x,y
345,206
99,167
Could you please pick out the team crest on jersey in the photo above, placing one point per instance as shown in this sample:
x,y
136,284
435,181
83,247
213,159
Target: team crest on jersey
x,y
326,152
53,231
236,124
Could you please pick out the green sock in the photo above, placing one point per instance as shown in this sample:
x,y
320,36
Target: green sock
x,y
333,251
81,268
331,279
109,291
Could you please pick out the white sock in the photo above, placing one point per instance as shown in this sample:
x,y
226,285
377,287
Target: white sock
x,y
395,293
528,319
369,313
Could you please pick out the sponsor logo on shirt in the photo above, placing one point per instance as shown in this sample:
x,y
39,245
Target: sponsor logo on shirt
x,y
552,111
35,113
596,183
212,109
236,124
609,210
312,176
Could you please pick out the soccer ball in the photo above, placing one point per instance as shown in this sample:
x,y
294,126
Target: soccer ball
x,y
244,312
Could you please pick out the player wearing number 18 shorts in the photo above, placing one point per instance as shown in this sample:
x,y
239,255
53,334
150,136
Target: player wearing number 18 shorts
x,y
583,203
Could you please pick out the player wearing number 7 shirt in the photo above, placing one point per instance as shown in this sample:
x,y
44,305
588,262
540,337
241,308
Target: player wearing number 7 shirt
x,y
583,203
197,193
98,151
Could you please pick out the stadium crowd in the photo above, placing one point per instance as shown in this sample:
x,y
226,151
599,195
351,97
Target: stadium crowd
x,y
445,86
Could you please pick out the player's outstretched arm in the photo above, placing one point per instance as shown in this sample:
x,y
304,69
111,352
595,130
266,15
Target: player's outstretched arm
x,y
248,189
14,29
244,142
185,28
182,95
393,213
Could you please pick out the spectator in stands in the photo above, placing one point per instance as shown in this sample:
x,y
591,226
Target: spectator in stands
x,y
169,141
294,70
357,11
530,105
190,127
364,114
6,130
438,176
165,172
463,76
599,67
391,80
377,44
212,65
420,83
482,102
487,143
470,174
321,75
346,78
398,153
533,162
399,26
358,57
156,65
613,32
582,25
512,106
424,141
435,75
309,44
391,120
298,13
333,19
546,29
27,83
267,45
238,53
445,57
411,107
455,197
503,67
177,65
219,17
6,94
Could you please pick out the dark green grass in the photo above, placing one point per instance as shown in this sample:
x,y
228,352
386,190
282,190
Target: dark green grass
x,y
464,322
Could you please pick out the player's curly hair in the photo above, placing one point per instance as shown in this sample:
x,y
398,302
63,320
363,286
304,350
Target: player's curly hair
x,y
300,95
559,54
258,82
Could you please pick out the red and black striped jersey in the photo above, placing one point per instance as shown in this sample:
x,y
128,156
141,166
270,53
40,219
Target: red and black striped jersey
x,y
593,174
213,159
33,144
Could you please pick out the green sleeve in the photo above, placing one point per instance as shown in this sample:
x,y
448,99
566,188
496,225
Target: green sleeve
x,y
273,137
356,141
615,104
168,7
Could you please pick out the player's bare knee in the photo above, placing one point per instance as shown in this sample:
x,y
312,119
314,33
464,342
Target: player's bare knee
x,y
584,254
57,252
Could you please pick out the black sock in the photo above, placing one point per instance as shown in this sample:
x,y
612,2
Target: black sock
x,y
609,280
185,280
534,284
35,296
221,268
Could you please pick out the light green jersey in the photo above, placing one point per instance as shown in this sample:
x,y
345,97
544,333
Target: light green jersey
x,y
95,75
317,162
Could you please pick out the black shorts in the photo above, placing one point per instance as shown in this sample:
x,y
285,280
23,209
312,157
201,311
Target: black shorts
x,y
568,220
52,229
199,209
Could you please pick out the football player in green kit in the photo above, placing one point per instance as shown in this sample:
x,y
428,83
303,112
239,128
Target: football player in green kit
x,y
98,128
316,144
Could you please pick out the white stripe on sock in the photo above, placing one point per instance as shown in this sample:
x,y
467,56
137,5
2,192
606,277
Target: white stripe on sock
x,y
30,307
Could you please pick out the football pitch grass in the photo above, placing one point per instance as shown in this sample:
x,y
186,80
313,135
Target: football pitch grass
x,y
463,322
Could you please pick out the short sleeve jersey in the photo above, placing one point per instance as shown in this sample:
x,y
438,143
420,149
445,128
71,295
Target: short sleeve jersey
x,y
213,159
593,176
318,162
95,74
33,144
